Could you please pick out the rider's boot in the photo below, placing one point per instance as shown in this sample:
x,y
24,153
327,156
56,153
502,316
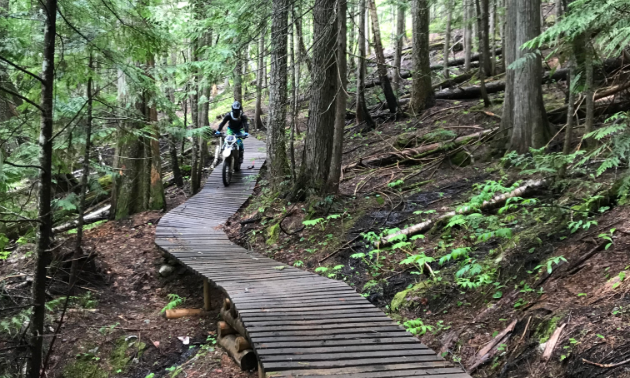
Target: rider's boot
x,y
241,158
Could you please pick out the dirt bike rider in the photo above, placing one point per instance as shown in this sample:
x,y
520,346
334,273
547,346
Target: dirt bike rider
x,y
237,125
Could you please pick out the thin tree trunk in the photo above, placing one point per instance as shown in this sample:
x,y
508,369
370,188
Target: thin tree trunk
x,y
363,115
447,38
237,77
259,82
422,95
467,35
530,125
589,93
509,56
367,30
294,98
351,38
78,251
157,200
474,27
390,97
42,256
502,27
483,35
400,30
493,35
276,148
320,128
568,134
484,56
342,98
300,35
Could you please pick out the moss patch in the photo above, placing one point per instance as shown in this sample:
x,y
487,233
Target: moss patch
x,y
272,234
546,329
401,297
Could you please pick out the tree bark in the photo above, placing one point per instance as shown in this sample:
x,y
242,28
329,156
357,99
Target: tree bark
x,y
589,93
157,200
363,115
467,34
530,125
390,97
195,180
294,97
422,95
320,127
237,75
400,31
276,150
485,55
447,37
300,35
351,39
42,255
493,35
259,82
78,251
483,35
342,98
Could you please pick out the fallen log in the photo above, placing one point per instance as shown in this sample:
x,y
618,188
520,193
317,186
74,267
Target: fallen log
x,y
98,215
454,81
497,200
246,359
601,108
183,312
224,329
233,322
242,344
487,352
605,92
390,157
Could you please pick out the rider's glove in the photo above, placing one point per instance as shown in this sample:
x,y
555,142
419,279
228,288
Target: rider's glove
x,y
245,134
217,133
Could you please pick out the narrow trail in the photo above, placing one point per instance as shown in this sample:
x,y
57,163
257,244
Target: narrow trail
x,y
299,323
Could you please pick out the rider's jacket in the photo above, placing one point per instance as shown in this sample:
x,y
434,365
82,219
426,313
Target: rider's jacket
x,y
235,123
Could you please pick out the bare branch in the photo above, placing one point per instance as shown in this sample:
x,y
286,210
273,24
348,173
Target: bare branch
x,y
22,97
22,70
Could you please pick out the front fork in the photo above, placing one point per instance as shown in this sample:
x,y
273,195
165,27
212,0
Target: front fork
x,y
217,153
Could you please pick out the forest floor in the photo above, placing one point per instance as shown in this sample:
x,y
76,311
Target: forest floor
x,y
541,276
114,327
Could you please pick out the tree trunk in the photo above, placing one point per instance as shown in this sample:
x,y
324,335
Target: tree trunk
x,y
363,115
195,180
568,134
483,35
237,76
276,150
351,39
502,27
493,32
320,128
367,29
342,98
589,93
390,97
467,35
485,55
42,256
509,56
400,30
78,251
294,97
259,82
422,95
447,37
157,200
303,54
530,125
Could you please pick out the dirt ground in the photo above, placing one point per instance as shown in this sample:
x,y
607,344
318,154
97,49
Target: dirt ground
x,y
116,328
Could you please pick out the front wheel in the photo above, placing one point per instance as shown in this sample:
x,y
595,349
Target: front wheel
x,y
228,168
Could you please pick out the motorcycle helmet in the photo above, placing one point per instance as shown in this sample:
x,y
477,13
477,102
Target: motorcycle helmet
x,y
236,110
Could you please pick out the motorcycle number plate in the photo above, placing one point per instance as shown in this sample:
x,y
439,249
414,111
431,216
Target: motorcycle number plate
x,y
226,153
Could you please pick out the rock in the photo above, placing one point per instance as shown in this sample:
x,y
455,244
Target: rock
x,y
166,270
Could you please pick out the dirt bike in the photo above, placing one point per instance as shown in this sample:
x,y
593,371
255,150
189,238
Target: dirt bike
x,y
228,150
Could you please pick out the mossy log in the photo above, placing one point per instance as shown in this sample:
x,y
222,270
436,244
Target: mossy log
x,y
391,157
497,200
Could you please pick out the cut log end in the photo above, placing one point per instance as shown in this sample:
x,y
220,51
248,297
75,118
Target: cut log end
x,y
246,359
183,312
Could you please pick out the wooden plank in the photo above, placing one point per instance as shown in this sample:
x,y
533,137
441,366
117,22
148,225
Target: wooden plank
x,y
426,361
426,372
412,354
347,348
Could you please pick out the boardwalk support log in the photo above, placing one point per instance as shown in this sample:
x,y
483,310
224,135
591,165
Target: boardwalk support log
x,y
207,304
246,359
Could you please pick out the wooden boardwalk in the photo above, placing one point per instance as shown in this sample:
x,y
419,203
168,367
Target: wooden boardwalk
x,y
299,323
